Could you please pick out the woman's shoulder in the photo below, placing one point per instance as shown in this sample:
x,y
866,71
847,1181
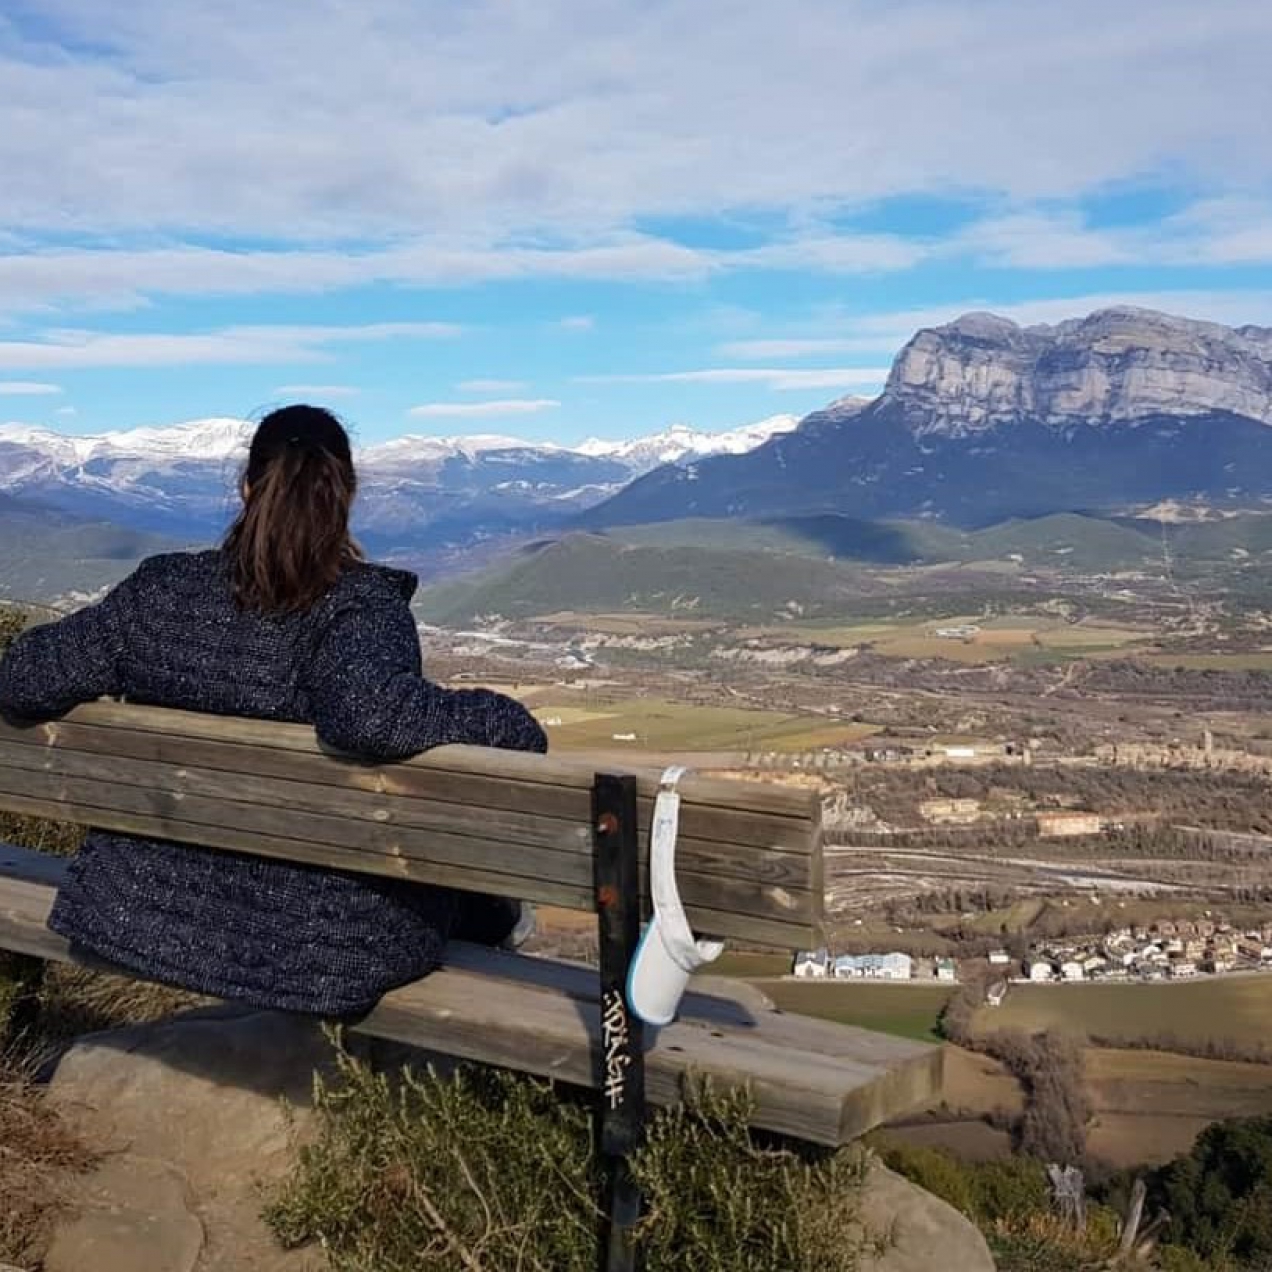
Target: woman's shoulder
x,y
179,565
368,582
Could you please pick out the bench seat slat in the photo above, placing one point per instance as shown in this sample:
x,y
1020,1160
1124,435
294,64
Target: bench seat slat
x,y
820,1082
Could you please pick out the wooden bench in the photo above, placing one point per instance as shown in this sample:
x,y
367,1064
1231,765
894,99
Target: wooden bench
x,y
749,866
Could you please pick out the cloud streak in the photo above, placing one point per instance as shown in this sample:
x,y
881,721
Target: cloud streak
x,y
483,410
778,378
318,390
490,386
244,345
27,388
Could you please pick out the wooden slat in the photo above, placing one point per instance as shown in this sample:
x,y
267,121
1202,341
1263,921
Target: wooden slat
x,y
767,798
821,1082
569,802
724,907
514,828
466,817
709,920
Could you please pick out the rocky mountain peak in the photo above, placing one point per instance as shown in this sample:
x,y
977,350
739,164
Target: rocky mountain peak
x,y
1115,365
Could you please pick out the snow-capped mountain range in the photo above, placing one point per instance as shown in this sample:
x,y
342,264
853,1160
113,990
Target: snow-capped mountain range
x,y
180,479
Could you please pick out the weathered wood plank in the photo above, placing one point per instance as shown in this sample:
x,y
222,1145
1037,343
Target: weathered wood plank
x,y
709,919
769,798
821,1082
514,828
726,907
572,802
466,817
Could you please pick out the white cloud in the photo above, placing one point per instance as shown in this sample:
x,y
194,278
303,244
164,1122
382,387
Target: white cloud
x,y
577,322
115,278
888,330
490,386
484,410
318,390
26,388
780,378
232,345
795,347
67,411
508,120
1208,232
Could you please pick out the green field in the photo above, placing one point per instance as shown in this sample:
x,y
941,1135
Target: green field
x,y
659,725
1234,1008
909,1011
748,966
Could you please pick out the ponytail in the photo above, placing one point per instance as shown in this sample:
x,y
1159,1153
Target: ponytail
x,y
291,541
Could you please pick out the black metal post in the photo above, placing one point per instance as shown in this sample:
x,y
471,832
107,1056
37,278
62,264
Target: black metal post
x,y
616,872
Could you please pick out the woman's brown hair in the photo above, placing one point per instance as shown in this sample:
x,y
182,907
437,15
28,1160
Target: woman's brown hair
x,y
291,541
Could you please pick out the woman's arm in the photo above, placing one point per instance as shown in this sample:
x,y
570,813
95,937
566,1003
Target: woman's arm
x,y
369,695
48,669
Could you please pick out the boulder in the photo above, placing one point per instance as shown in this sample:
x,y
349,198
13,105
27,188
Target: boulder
x,y
198,1116
916,1231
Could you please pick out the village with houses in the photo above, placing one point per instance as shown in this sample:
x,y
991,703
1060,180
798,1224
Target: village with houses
x,y
1167,949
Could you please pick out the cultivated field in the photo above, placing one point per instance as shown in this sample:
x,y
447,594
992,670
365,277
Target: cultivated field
x,y
910,1011
655,724
1019,637
1234,1008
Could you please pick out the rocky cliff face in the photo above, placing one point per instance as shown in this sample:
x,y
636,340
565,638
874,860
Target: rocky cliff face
x,y
983,420
1116,365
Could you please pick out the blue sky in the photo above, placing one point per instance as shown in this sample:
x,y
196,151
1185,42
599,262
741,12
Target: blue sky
x,y
560,219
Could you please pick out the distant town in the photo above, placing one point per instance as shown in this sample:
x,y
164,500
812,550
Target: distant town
x,y
1164,950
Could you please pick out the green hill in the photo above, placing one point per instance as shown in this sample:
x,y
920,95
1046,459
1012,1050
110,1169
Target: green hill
x,y
46,554
593,572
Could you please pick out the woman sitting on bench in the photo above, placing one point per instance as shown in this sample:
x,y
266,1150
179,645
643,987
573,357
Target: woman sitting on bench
x,y
285,621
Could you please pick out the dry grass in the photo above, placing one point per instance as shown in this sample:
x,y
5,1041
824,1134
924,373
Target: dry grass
x,y
39,1156
77,1000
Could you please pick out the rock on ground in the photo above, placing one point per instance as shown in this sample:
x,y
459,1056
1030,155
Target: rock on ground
x,y
920,1232
192,1117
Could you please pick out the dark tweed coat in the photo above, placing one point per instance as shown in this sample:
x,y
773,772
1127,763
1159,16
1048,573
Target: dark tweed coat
x,y
252,928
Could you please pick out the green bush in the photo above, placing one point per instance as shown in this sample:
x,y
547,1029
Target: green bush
x,y
1219,1195
986,1192
485,1169
1010,1201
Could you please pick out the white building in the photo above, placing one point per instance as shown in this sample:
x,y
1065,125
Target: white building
x,y
1041,971
874,966
999,958
946,969
812,963
1072,971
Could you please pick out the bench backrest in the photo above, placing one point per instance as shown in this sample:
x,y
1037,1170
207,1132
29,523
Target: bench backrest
x,y
748,857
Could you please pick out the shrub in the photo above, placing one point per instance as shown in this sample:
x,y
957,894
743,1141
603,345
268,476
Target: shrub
x,y
1219,1195
485,1169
